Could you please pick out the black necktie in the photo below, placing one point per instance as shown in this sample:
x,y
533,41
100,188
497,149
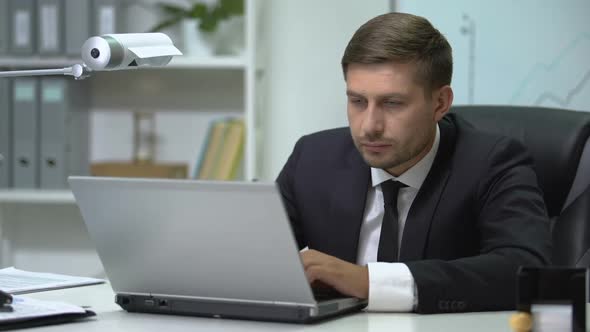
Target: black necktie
x,y
389,227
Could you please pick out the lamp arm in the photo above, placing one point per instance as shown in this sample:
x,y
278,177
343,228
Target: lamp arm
x,y
78,71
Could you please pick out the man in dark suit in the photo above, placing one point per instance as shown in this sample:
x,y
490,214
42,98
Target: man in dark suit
x,y
410,207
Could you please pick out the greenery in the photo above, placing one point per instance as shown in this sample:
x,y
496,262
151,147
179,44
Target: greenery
x,y
208,16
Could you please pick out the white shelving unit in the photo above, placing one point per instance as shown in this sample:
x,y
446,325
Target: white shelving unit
x,y
181,62
220,62
36,62
26,214
23,196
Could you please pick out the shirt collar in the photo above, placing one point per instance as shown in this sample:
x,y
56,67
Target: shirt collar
x,y
413,177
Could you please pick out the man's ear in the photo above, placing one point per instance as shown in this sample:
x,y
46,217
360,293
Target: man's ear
x,y
442,99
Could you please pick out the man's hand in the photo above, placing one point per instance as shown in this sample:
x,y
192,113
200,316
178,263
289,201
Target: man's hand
x,y
345,277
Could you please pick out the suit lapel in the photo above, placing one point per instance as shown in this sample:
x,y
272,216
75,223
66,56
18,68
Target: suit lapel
x,y
347,204
417,227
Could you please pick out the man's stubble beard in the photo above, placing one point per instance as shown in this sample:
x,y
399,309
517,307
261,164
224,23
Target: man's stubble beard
x,y
396,156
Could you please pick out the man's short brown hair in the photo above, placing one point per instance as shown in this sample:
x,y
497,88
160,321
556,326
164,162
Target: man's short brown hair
x,y
405,38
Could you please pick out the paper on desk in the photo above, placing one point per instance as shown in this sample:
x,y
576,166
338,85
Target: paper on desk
x,y
552,317
24,308
17,281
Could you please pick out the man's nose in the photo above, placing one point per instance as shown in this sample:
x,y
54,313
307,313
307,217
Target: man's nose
x,y
373,123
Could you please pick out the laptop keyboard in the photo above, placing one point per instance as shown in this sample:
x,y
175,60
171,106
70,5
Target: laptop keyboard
x,y
324,294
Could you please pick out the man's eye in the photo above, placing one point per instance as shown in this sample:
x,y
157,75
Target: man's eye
x,y
393,103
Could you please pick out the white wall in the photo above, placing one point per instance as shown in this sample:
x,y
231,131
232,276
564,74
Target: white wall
x,y
527,52
305,84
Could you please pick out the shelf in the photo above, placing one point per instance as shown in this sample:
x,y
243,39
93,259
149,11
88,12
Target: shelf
x,y
213,62
43,196
180,62
38,62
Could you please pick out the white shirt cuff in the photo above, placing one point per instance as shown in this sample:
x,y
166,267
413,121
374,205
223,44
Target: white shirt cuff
x,y
391,287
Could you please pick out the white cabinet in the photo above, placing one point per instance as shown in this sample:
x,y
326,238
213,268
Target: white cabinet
x,y
43,230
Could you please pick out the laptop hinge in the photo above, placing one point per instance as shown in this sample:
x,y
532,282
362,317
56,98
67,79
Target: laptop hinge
x,y
221,299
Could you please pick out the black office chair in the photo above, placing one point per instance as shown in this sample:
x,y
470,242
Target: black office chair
x,y
558,141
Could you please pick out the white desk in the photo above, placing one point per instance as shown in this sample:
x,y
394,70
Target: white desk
x,y
110,317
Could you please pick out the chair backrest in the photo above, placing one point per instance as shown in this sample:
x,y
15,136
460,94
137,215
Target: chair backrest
x,y
558,141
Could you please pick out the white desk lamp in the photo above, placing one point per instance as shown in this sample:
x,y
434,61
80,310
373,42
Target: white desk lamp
x,y
113,52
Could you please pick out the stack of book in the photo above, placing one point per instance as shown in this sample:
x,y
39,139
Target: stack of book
x,y
222,153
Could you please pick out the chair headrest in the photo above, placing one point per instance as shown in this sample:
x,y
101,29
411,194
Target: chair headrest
x,y
554,137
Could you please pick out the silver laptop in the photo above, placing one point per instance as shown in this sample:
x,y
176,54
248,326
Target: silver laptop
x,y
221,249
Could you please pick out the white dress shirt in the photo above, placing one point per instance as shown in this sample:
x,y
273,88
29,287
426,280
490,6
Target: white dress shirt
x,y
391,285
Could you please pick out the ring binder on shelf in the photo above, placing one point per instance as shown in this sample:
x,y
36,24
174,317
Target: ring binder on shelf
x,y
4,27
77,25
64,124
22,27
5,133
51,27
106,17
25,120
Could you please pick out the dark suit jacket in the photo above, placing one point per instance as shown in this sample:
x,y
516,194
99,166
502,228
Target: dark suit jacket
x,y
478,216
